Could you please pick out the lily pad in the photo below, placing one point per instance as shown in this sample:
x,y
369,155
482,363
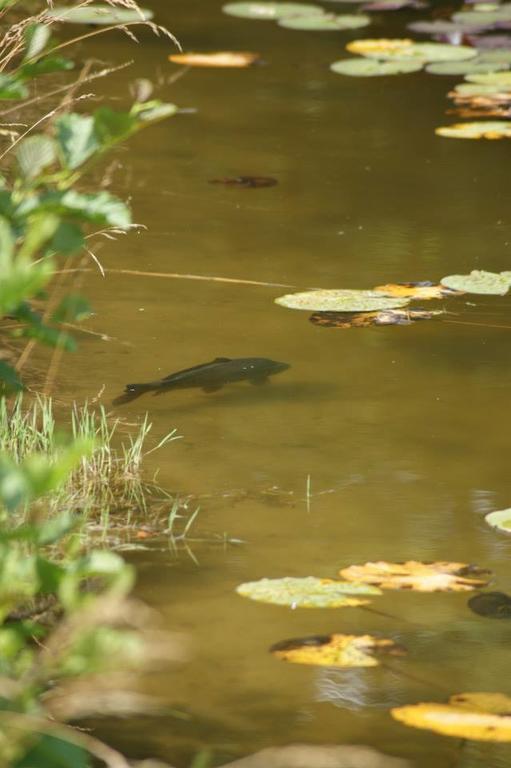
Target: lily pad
x,y
326,23
99,14
476,716
437,27
405,49
372,68
500,520
366,319
496,55
420,577
392,5
270,11
336,650
502,79
308,592
216,59
492,605
470,67
339,300
423,290
480,130
475,89
470,19
479,281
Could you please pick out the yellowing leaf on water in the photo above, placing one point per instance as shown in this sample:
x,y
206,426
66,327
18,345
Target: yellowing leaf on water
x,y
340,300
366,319
479,281
496,129
335,650
500,519
382,48
408,49
217,59
477,716
415,290
308,592
417,576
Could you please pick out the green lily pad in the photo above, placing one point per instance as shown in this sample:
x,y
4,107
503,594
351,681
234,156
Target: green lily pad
x,y
271,11
308,592
326,23
470,67
482,18
496,54
99,14
491,78
405,49
473,89
431,52
338,300
480,282
371,68
500,520
498,129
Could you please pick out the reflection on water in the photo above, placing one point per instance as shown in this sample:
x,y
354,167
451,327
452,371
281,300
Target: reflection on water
x,y
390,443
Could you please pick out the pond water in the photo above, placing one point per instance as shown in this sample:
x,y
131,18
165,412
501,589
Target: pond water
x,y
379,443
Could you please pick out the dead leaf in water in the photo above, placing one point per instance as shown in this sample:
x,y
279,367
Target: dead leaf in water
x,y
366,319
492,605
336,650
247,182
217,59
421,290
476,716
319,756
417,576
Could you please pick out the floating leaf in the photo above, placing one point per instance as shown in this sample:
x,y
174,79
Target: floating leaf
x,y
407,49
488,42
477,716
502,79
470,19
495,55
217,59
99,14
270,11
481,130
326,23
336,650
247,182
371,68
437,27
365,319
479,281
34,154
500,519
471,67
473,89
392,5
338,300
308,592
422,290
493,605
417,576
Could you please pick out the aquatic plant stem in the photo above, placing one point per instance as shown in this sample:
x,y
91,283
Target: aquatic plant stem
x,y
479,325
180,276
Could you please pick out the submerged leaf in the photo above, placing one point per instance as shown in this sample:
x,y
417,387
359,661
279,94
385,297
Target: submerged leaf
x,y
493,605
477,716
270,11
308,592
372,68
366,319
336,650
338,300
326,23
100,13
500,519
217,59
479,281
417,576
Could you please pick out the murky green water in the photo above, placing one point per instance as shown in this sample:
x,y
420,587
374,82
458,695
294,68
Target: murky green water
x,y
404,432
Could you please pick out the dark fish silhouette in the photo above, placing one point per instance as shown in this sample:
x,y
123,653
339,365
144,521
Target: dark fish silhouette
x,y
208,376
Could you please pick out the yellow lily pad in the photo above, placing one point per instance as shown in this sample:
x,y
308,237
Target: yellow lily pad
x,y
336,650
366,319
500,519
489,129
417,576
476,716
216,59
415,290
308,592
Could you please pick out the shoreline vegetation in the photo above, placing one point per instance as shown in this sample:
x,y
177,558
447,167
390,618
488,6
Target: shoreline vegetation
x,y
73,641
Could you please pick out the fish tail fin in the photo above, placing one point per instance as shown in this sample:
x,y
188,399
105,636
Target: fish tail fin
x,y
131,392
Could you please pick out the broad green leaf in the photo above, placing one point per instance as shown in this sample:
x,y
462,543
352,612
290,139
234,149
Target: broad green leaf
x,y
479,281
502,79
36,38
500,519
473,89
405,49
68,238
371,68
330,23
470,67
40,229
34,154
338,300
99,208
6,247
497,129
72,308
46,66
12,87
270,11
76,138
52,752
99,13
54,529
116,577
111,126
308,592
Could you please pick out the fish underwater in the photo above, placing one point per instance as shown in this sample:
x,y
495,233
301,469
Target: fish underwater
x,y
209,377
